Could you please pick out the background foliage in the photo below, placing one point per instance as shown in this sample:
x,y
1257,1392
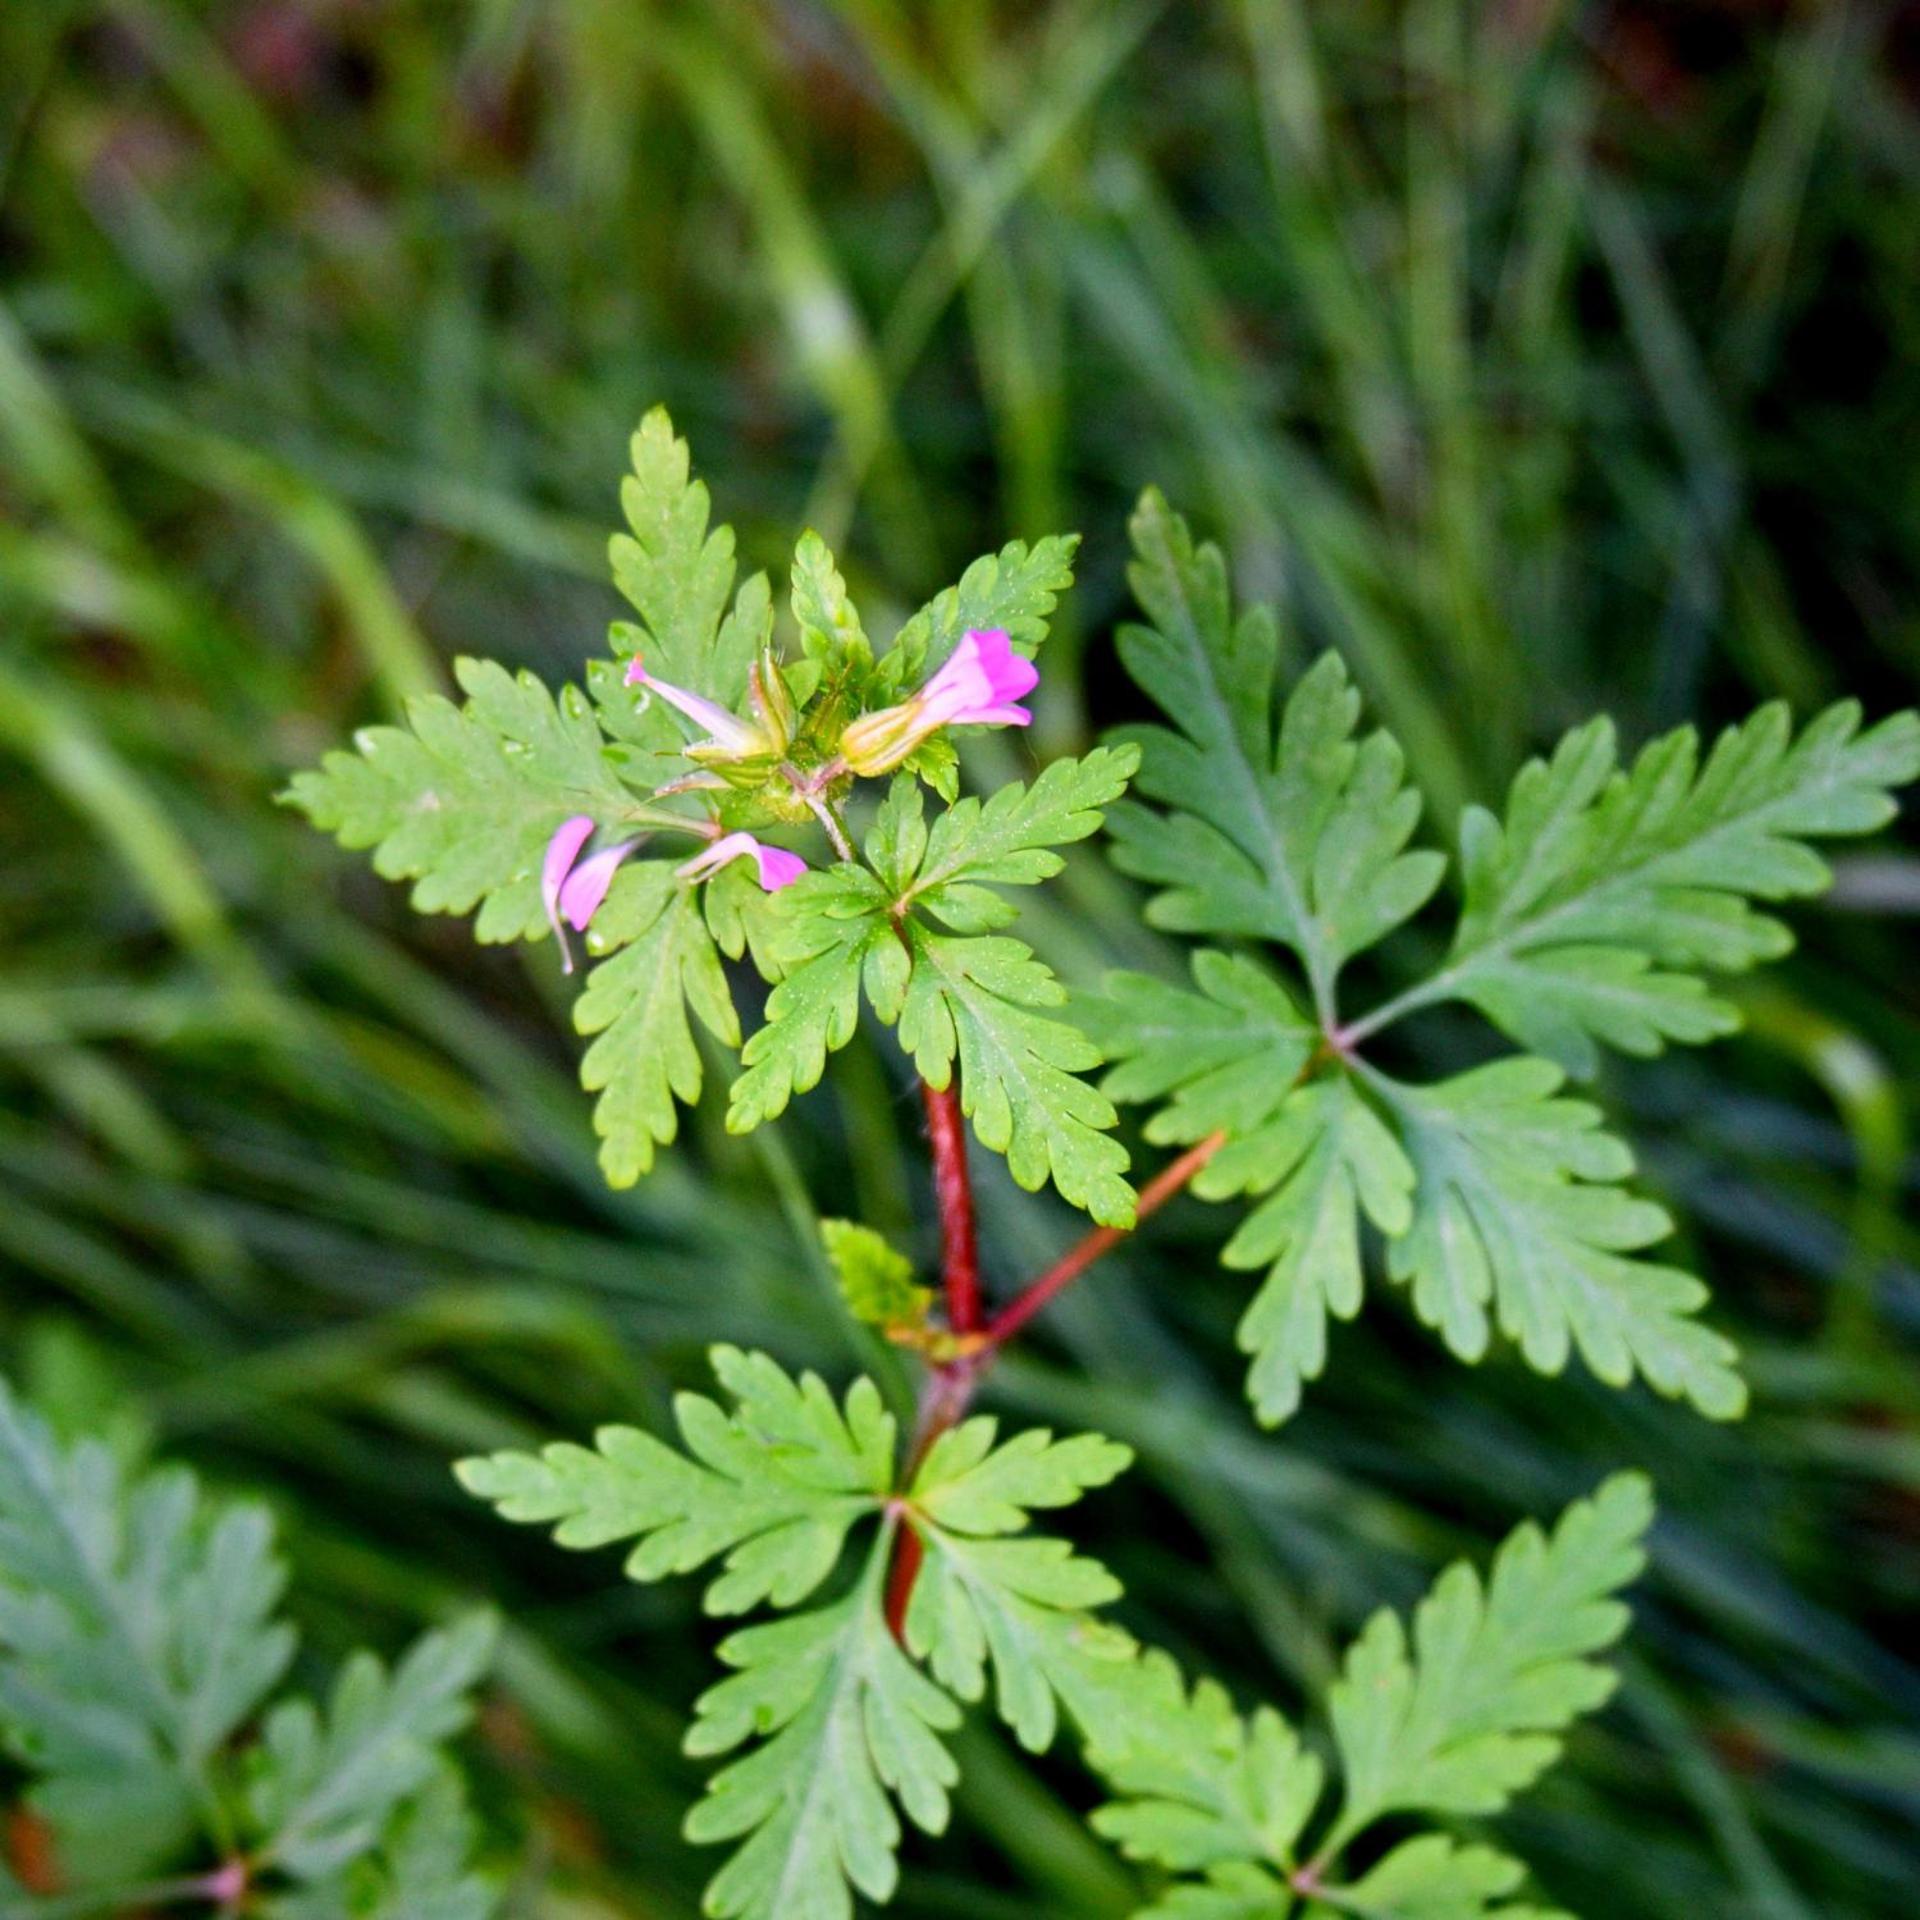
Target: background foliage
x,y
1543,359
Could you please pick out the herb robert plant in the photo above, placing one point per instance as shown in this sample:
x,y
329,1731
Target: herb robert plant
x,y
1594,912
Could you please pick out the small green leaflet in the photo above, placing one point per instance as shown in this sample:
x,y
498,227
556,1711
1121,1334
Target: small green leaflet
x,y
876,1280
1455,1723
1435,1878
678,575
1593,905
1008,839
854,1726
1518,1206
1223,1058
327,1783
1206,1789
774,1485
1014,590
1473,1711
1324,1158
833,928
987,1003
420,1872
846,1724
1021,1604
1295,834
645,1056
463,800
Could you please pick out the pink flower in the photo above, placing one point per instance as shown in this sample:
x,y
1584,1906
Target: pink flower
x,y
727,733
980,685
571,892
778,867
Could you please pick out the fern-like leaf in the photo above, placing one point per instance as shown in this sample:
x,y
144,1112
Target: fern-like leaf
x,y
1518,1207
1594,904
1294,832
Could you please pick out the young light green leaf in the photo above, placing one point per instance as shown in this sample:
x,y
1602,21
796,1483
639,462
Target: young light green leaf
x,y
1224,1058
1518,1206
851,1726
325,1785
1590,908
1323,1158
136,1636
1014,591
876,1280
1296,835
1434,1878
637,1003
979,1000
774,1485
1471,1713
463,799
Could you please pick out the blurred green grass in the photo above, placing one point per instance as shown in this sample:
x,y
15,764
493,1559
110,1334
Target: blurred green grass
x,y
1541,357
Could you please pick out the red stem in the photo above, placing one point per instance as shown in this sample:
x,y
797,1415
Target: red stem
x,y
1079,1257
908,1552
953,1189
951,1383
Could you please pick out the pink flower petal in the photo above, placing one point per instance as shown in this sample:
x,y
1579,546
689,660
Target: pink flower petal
x,y
586,887
724,729
562,850
778,867
979,683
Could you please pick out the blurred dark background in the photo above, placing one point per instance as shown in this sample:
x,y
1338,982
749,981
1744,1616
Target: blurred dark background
x,y
1542,358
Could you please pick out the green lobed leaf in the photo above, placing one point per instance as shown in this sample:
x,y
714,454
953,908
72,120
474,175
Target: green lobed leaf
x,y
1224,1059
1206,1790
326,1783
1456,1723
831,636
1236,1891
637,1004
1518,1206
678,574
1591,906
1295,833
833,930
1324,1158
136,1636
420,1871
1472,1711
981,1002
1022,1605
773,1485
463,799
1434,1878
850,1727
1014,591
1008,839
